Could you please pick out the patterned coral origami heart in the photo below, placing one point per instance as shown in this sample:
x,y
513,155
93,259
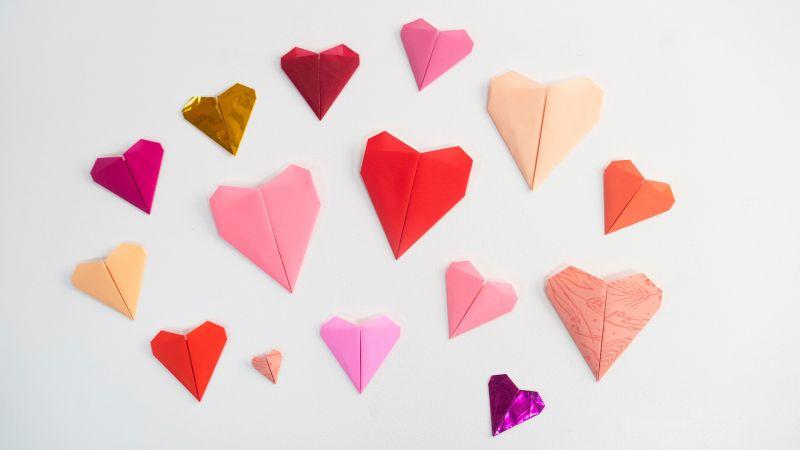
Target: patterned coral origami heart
x,y
320,77
132,176
630,198
115,280
509,405
269,365
472,301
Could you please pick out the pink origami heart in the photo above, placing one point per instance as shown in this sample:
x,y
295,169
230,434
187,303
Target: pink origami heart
x,y
603,318
272,224
432,52
132,176
360,349
471,301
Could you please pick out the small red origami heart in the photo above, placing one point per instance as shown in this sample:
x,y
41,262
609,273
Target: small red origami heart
x,y
410,190
191,358
630,198
320,77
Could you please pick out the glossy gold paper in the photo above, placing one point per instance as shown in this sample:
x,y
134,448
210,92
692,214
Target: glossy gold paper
x,y
222,118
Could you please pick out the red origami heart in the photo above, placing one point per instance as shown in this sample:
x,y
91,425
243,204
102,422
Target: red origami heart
x,y
320,77
191,358
410,190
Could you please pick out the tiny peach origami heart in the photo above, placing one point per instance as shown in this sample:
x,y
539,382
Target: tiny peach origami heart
x,y
269,365
630,198
115,280
603,318
542,123
271,224
223,118
431,52
471,301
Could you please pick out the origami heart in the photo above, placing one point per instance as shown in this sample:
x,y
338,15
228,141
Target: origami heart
x,y
272,224
222,118
115,280
542,123
471,301
509,405
132,176
411,191
432,52
320,77
360,349
269,365
629,198
191,358
603,318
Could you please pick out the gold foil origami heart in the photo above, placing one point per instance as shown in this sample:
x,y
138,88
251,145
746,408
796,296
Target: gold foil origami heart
x,y
222,118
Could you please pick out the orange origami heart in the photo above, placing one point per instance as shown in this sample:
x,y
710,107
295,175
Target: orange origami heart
x,y
603,318
630,198
114,280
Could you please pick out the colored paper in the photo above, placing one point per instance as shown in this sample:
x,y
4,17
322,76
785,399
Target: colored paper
x,y
222,118
542,123
411,191
320,77
269,365
132,176
431,52
630,198
115,280
191,358
603,318
360,349
271,224
509,405
472,301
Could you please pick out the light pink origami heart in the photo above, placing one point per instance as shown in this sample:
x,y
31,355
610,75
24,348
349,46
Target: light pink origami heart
x,y
432,52
360,349
272,224
471,301
603,318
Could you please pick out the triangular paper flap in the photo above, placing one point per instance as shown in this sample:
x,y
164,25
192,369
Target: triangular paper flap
x,y
526,405
205,345
172,351
621,180
580,300
571,110
440,182
241,218
125,265
418,38
94,279
502,392
463,283
494,300
451,47
274,360
144,163
236,104
378,336
336,66
204,113
112,173
516,106
344,341
292,206
302,68
652,198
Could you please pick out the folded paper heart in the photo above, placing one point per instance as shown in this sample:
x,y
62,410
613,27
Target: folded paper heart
x,y
542,123
471,301
115,280
272,224
132,176
222,118
432,52
509,405
411,191
603,318
269,365
191,358
360,349
630,198
320,77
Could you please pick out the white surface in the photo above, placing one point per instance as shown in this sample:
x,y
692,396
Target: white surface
x,y
703,95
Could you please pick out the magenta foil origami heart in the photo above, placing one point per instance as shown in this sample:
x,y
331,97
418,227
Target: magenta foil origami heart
x,y
509,405
132,176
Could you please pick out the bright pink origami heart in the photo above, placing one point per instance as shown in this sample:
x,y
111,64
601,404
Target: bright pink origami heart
x,y
271,224
471,301
432,52
132,176
360,349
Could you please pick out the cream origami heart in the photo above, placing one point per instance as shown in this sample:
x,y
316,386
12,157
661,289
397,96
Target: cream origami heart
x,y
471,301
542,123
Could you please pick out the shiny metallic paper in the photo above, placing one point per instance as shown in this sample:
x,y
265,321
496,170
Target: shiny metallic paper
x,y
222,118
509,405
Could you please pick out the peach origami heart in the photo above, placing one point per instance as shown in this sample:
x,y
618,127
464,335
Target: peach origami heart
x,y
115,280
542,123
472,301
603,318
630,198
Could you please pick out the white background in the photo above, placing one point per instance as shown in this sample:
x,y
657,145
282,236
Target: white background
x,y
703,95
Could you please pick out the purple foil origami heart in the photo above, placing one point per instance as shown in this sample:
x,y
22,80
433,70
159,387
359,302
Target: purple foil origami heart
x,y
509,405
132,176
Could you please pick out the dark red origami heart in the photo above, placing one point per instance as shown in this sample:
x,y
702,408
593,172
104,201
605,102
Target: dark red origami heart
x,y
320,77
410,190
